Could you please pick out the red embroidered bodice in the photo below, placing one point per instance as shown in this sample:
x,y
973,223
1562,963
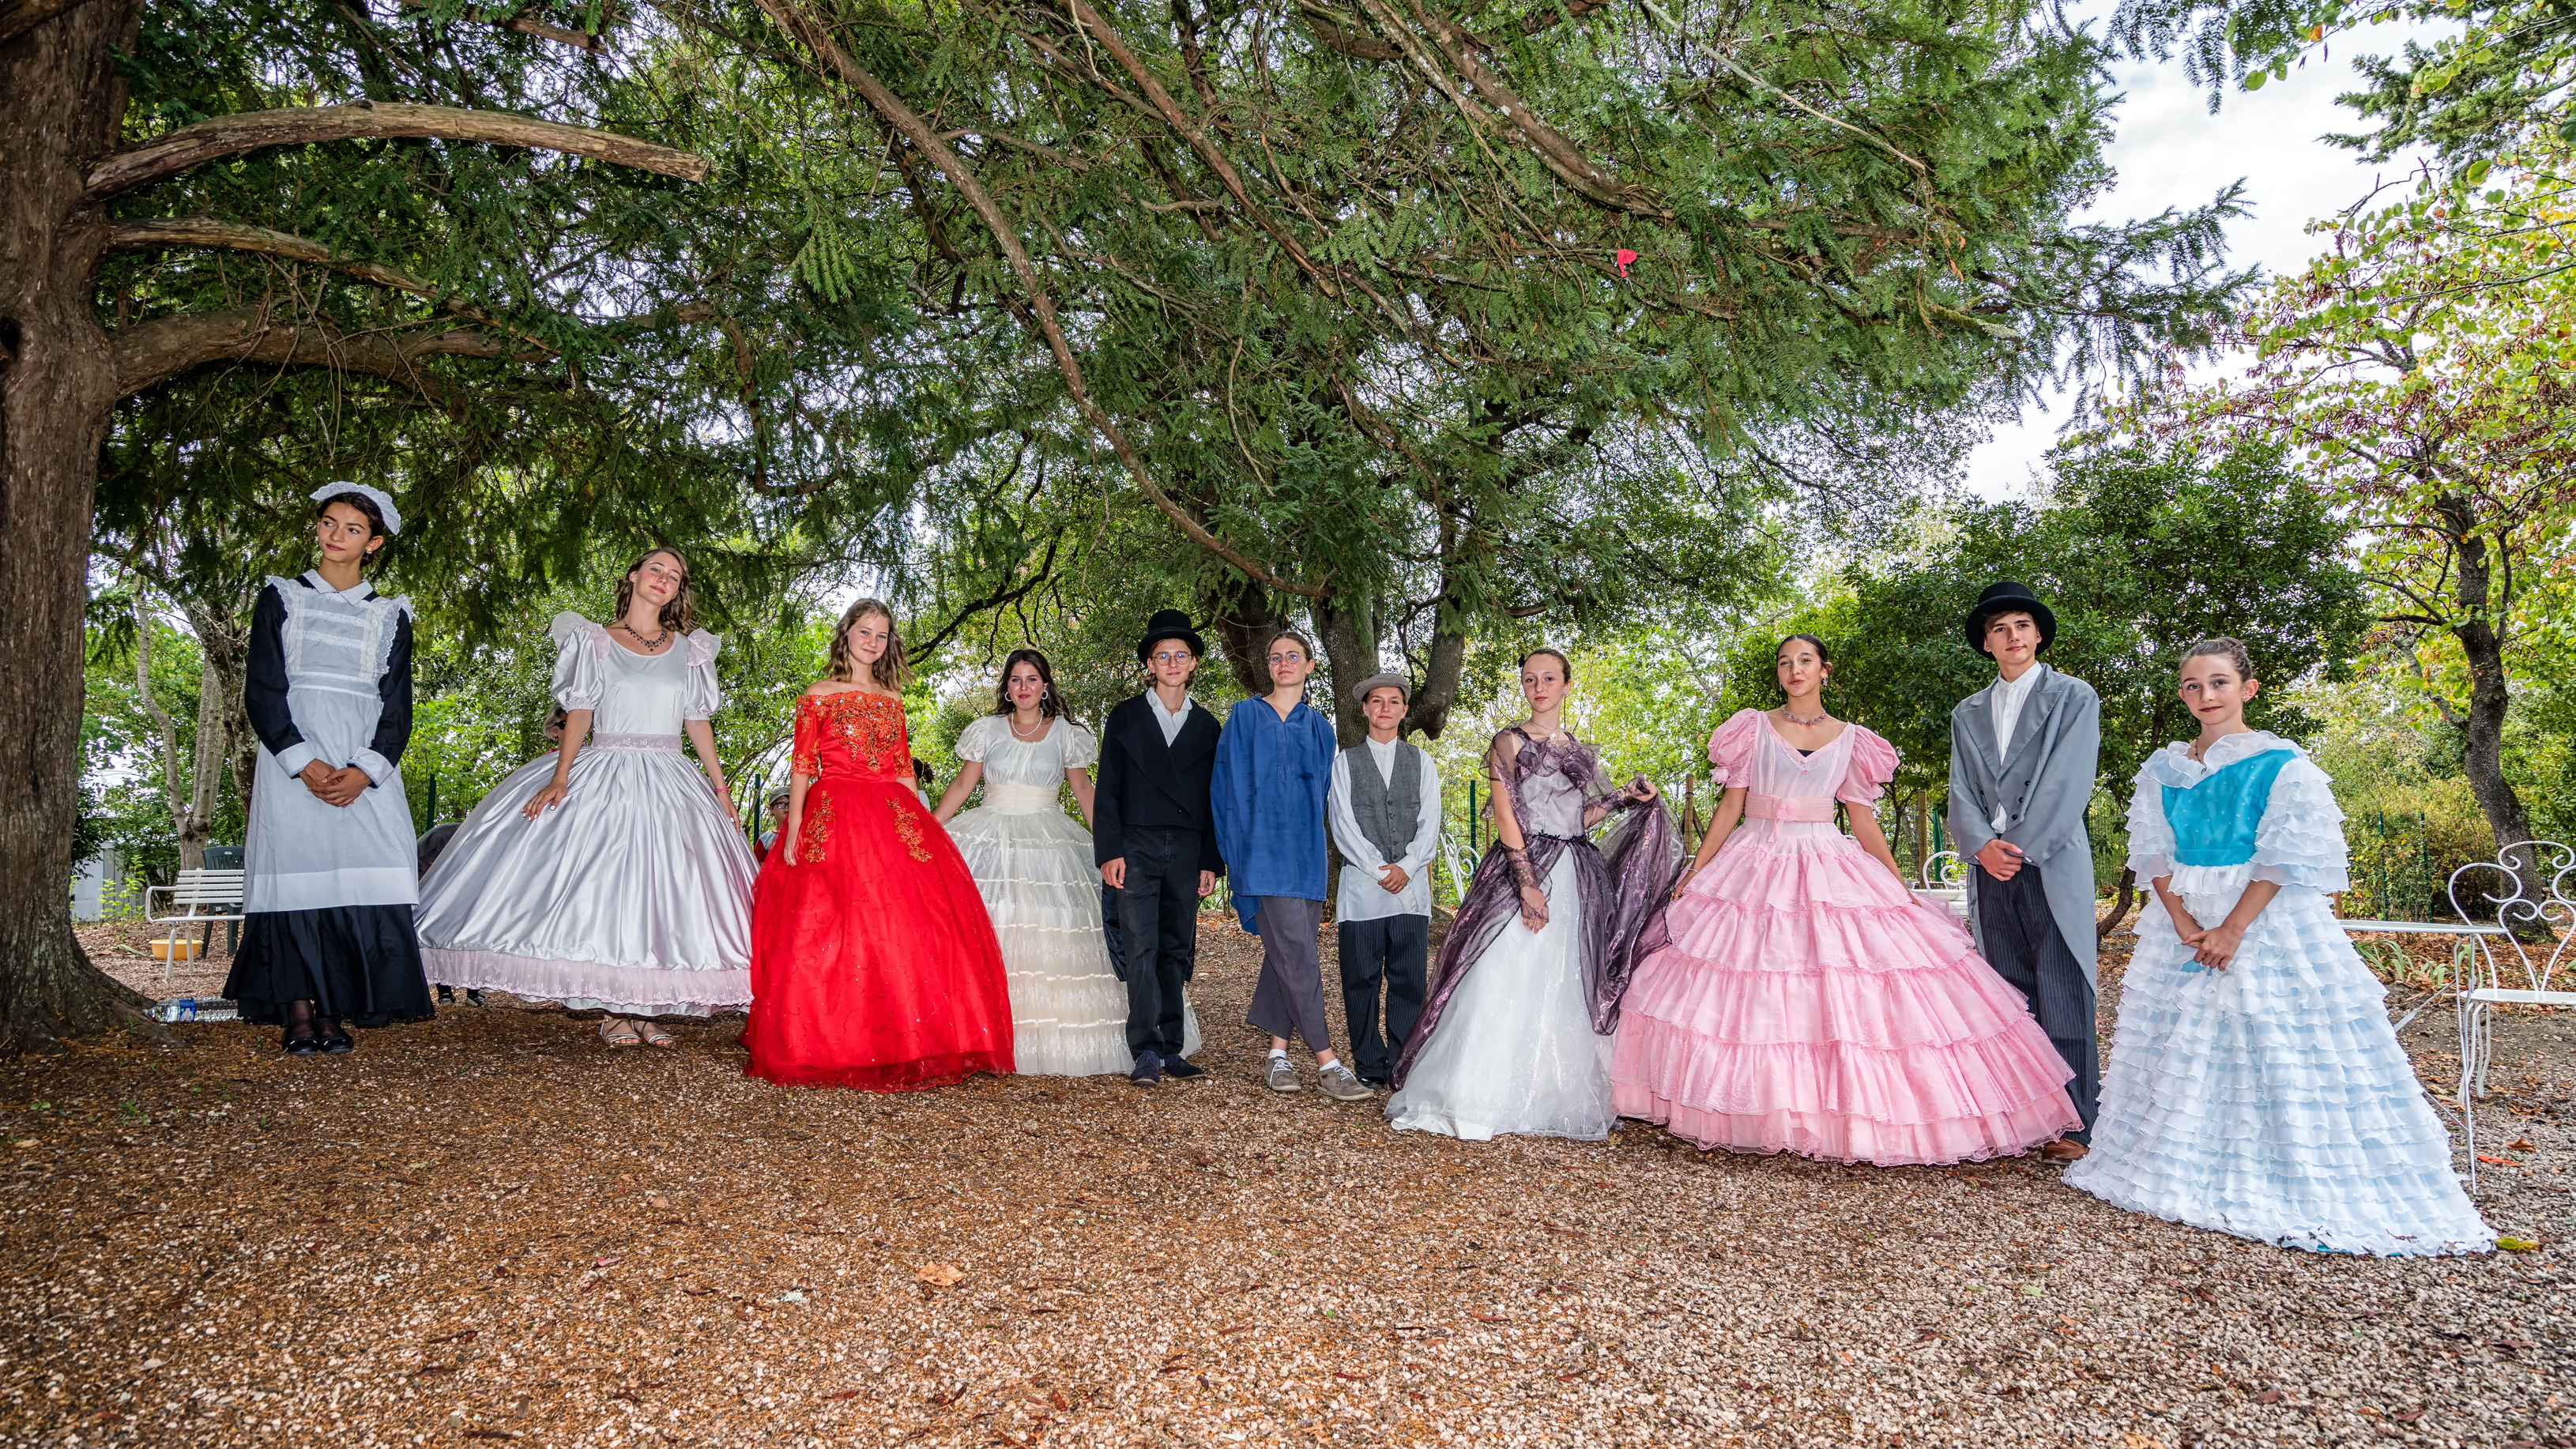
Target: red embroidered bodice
x,y
851,733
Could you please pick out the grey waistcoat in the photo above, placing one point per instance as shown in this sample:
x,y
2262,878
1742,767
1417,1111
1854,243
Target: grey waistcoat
x,y
1388,813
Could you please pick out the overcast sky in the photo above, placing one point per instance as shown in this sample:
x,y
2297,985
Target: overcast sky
x,y
2171,151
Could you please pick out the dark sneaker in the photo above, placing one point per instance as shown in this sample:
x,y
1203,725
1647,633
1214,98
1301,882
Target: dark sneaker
x,y
1149,1070
1179,1067
1341,1086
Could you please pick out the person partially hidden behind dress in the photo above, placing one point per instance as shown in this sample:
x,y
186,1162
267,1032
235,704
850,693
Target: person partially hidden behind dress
x,y
1068,1006
2256,1087
327,936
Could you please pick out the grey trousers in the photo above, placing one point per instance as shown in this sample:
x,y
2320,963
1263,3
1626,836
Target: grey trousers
x,y
1289,999
2024,947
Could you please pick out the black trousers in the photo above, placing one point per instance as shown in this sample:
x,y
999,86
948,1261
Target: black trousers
x,y
1394,952
1158,922
2026,950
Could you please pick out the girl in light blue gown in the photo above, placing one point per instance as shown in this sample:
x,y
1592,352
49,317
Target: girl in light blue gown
x,y
2255,1086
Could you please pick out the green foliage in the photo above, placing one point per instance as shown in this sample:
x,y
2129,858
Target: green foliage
x,y
125,806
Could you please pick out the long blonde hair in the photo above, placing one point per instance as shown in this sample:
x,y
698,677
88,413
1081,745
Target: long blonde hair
x,y
680,616
890,671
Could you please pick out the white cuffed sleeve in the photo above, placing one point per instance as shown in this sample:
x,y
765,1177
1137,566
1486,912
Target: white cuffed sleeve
x,y
706,696
581,661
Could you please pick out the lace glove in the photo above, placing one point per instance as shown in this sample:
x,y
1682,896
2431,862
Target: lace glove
x,y
1533,899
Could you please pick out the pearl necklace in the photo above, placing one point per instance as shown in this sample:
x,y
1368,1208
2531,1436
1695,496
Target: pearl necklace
x,y
1044,724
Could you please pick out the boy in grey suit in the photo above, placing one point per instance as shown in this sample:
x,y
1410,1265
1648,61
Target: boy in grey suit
x,y
2024,754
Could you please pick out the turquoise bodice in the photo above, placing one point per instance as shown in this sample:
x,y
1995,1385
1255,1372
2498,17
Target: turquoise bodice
x,y
2214,821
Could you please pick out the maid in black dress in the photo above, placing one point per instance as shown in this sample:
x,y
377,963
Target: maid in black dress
x,y
330,876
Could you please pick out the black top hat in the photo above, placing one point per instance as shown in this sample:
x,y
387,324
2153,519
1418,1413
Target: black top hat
x,y
2008,598
1169,624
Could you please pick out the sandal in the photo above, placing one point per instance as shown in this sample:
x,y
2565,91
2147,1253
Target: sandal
x,y
618,1032
655,1036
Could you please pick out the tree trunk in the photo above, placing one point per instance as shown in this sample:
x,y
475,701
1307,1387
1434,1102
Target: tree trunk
x,y
1239,615
223,637
57,390
188,807
2119,904
1350,646
2477,627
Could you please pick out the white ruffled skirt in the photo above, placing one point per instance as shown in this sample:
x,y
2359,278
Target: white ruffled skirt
x,y
1068,1007
633,895
2271,1100
1514,1052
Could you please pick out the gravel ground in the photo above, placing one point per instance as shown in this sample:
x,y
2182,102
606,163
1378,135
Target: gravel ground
x,y
491,1228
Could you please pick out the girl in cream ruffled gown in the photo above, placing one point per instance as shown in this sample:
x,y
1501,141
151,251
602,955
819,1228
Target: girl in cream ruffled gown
x,y
1068,1007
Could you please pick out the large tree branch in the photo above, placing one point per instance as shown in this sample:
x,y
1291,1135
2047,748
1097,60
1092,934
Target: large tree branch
x,y
17,17
1040,304
161,233
153,352
166,156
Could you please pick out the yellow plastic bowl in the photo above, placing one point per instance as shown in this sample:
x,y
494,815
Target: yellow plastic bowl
x,y
174,950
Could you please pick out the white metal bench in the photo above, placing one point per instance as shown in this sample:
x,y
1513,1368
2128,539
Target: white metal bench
x,y
197,899
1941,887
2521,941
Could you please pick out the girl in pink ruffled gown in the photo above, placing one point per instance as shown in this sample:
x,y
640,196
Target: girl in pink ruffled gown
x,y
1805,1001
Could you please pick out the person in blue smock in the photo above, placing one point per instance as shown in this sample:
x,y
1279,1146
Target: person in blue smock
x,y
2256,1087
1273,764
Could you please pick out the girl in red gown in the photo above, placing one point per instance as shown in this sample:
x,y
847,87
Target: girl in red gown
x,y
873,962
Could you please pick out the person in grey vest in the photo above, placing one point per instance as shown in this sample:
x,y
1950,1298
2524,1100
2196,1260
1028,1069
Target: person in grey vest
x,y
1384,804
2024,755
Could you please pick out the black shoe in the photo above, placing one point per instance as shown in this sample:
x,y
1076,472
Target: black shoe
x,y
1180,1067
472,998
301,1046
1383,1083
446,997
335,1044
1149,1070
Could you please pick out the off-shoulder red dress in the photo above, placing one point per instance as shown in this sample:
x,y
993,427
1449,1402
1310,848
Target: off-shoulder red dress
x,y
873,963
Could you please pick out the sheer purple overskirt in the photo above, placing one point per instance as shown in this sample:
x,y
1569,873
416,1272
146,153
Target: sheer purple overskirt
x,y
1623,884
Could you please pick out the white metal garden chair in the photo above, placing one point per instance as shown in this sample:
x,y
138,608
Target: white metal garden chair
x,y
2523,943
197,899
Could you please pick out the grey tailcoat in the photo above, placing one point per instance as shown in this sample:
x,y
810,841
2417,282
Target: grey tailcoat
x,y
2045,782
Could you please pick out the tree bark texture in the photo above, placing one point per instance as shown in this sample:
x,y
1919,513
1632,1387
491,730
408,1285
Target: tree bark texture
x,y
2482,724
57,390
166,156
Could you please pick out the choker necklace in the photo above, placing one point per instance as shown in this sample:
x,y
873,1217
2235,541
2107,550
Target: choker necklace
x,y
655,644
1793,719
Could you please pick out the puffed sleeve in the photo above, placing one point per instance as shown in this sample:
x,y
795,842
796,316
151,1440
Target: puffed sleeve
x,y
2151,840
1873,764
581,663
2300,842
705,695
1081,746
976,740
1730,750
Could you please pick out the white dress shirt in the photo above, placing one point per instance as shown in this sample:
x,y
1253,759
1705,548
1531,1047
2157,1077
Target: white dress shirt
x,y
2006,702
1362,897
1170,719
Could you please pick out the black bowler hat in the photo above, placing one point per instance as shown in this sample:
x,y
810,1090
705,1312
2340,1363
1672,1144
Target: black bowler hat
x,y
2008,598
1169,624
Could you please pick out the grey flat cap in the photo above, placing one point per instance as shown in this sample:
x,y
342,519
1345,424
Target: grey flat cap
x,y
1382,681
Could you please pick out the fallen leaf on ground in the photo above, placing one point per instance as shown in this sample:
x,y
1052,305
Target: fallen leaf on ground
x,y
945,1275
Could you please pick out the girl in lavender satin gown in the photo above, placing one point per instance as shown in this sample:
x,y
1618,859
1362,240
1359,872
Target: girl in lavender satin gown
x,y
1804,1000
1515,1035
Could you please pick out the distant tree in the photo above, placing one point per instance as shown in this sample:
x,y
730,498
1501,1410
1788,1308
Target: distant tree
x,y
2140,549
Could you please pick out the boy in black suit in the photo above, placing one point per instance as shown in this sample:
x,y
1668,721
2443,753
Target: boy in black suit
x,y
1154,838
